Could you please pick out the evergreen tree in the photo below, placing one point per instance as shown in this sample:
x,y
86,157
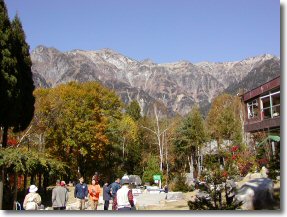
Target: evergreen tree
x,y
134,110
8,77
191,136
25,85
151,169
16,83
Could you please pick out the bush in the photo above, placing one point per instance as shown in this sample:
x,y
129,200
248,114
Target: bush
x,y
151,169
181,185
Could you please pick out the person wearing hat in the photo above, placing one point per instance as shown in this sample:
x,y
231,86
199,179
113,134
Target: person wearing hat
x,y
59,196
81,193
32,200
124,199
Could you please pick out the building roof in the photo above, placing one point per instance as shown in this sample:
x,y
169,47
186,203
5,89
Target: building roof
x,y
262,89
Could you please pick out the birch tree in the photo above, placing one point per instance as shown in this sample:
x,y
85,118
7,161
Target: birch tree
x,y
158,132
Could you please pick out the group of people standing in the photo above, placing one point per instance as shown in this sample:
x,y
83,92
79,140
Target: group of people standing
x,y
118,192
33,199
82,191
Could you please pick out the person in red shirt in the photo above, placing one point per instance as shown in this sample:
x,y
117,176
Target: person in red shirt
x,y
94,192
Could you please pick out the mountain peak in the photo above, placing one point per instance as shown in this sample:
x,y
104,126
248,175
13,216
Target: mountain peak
x,y
177,85
259,58
109,51
42,48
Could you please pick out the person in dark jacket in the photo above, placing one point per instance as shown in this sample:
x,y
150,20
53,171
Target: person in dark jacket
x,y
106,196
81,193
115,186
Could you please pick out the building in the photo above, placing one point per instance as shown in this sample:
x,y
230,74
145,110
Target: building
x,y
262,113
262,108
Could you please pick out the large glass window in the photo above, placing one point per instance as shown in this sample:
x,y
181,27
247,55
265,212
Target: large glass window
x,y
276,104
271,105
252,108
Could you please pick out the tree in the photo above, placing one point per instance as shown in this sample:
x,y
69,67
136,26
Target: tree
x,y
128,130
25,85
16,84
191,136
224,121
151,169
134,110
79,118
8,77
158,132
21,161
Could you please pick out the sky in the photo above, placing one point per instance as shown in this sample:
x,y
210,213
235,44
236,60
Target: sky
x,y
160,30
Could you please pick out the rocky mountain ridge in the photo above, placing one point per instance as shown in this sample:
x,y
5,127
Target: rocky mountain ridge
x,y
177,85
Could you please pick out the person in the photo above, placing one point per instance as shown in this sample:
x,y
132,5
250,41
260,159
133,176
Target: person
x,y
63,184
115,186
165,188
81,193
106,195
59,196
96,177
124,198
94,192
32,200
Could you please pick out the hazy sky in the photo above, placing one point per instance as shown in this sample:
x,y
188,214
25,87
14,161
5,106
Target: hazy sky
x,y
162,30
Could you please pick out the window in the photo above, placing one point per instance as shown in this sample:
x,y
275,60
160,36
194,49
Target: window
x,y
271,105
252,108
276,104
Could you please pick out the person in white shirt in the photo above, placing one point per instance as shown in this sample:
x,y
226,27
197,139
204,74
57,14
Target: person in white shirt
x,y
124,199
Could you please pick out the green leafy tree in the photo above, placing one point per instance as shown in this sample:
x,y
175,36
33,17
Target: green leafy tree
x,y
191,136
134,110
129,133
21,161
151,169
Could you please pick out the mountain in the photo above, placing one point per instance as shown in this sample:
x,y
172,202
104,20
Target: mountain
x,y
177,85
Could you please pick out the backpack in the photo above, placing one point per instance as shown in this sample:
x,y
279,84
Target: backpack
x,y
31,204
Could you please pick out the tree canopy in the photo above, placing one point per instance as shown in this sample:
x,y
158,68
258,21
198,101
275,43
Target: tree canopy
x,y
77,118
224,120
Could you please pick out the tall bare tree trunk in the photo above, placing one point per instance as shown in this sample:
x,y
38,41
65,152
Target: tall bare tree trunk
x,y
2,180
166,161
199,163
124,148
15,190
191,169
40,180
25,182
158,134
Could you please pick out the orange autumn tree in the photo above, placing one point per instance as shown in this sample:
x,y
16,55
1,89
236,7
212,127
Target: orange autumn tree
x,y
76,118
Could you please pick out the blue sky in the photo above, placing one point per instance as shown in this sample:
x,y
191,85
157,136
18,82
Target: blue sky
x,y
161,30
